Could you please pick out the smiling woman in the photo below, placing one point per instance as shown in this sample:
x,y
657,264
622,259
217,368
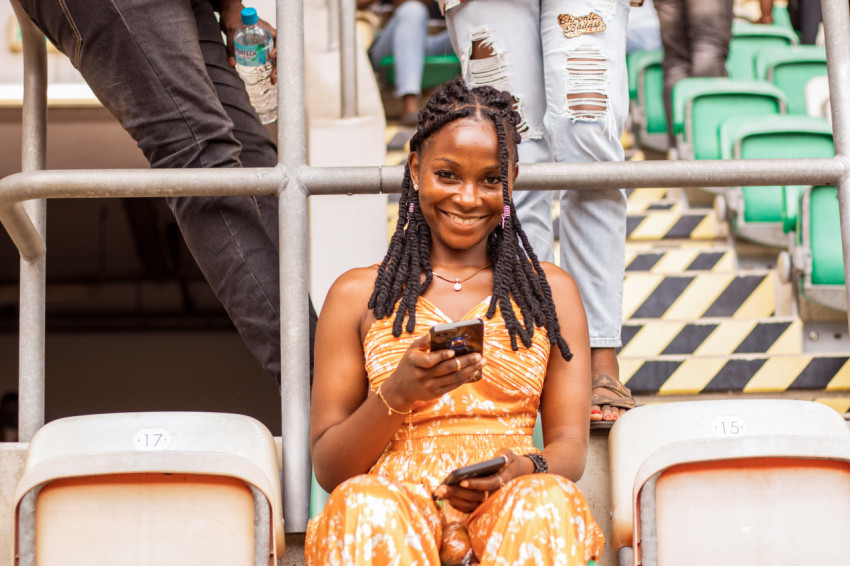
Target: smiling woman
x,y
458,253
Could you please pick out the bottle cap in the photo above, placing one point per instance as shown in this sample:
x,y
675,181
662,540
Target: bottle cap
x,y
249,16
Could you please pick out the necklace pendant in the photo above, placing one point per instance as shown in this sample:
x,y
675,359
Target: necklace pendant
x,y
457,286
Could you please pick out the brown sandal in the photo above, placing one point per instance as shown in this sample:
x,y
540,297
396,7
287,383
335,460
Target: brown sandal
x,y
621,396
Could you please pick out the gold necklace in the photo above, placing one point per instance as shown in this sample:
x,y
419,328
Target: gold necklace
x,y
457,282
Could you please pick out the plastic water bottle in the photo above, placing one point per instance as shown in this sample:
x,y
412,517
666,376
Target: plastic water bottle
x,y
253,47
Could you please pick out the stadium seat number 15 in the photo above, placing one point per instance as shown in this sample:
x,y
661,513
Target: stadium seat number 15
x,y
728,426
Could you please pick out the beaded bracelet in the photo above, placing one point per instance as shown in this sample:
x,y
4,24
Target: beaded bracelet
x,y
390,410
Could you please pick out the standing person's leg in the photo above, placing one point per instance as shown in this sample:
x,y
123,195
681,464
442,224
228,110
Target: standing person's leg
x,y
409,41
404,37
710,25
143,61
584,46
259,321
498,43
672,19
810,18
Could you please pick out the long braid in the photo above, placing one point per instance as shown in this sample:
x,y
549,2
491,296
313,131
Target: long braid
x,y
517,275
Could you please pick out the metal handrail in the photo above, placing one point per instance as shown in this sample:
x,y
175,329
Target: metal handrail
x,y
293,181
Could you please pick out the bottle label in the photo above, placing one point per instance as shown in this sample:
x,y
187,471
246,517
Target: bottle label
x,y
251,55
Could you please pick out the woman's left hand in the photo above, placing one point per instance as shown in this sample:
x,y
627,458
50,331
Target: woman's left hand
x,y
469,494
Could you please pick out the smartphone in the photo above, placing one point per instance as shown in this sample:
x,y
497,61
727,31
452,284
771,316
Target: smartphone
x,y
464,337
480,469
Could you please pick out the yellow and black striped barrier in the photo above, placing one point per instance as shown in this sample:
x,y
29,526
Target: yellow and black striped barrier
x,y
672,225
705,295
689,375
680,260
665,222
720,337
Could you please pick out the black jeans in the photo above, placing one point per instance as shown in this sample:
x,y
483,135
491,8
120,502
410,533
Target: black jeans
x,y
695,35
160,67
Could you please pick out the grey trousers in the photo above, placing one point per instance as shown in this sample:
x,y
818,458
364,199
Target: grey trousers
x,y
160,67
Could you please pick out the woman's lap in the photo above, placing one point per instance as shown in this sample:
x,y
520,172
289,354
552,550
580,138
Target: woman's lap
x,y
536,519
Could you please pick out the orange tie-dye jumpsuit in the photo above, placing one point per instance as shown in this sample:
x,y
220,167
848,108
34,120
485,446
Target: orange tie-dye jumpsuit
x,y
388,517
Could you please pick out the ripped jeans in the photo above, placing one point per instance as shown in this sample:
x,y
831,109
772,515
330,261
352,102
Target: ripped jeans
x,y
564,62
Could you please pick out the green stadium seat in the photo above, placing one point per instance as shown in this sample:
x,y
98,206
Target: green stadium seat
x,y
825,234
792,195
790,68
701,105
646,96
815,263
438,69
748,40
756,211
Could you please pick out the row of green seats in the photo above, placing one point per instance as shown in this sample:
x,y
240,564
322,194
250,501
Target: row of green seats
x,y
757,52
755,212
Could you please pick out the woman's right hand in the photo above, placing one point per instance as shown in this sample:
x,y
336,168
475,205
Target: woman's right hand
x,y
423,375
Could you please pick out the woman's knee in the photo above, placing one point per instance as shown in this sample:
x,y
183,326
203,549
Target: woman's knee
x,y
352,490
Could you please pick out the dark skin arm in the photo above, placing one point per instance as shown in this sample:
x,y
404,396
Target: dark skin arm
x,y
230,18
565,406
343,408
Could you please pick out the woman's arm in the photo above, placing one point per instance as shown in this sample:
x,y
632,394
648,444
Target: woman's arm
x,y
565,402
564,405
350,425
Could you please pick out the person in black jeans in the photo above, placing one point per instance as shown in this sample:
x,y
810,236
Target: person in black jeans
x,y
162,69
695,35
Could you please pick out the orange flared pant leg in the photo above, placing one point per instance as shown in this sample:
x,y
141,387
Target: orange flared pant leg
x,y
535,520
372,520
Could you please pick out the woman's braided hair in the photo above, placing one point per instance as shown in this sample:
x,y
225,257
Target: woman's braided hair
x,y
399,275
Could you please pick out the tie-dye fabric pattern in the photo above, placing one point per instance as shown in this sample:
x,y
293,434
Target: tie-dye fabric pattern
x,y
388,517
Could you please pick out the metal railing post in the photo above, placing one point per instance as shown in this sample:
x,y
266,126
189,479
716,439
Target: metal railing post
x,y
333,24
294,274
31,335
347,58
33,281
836,21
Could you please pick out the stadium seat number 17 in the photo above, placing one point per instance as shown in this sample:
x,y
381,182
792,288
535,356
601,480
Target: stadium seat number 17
x,y
152,439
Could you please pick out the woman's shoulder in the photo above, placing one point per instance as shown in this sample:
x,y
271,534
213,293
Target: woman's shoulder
x,y
562,283
556,276
354,283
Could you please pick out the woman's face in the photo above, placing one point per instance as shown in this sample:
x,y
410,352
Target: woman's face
x,y
460,189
